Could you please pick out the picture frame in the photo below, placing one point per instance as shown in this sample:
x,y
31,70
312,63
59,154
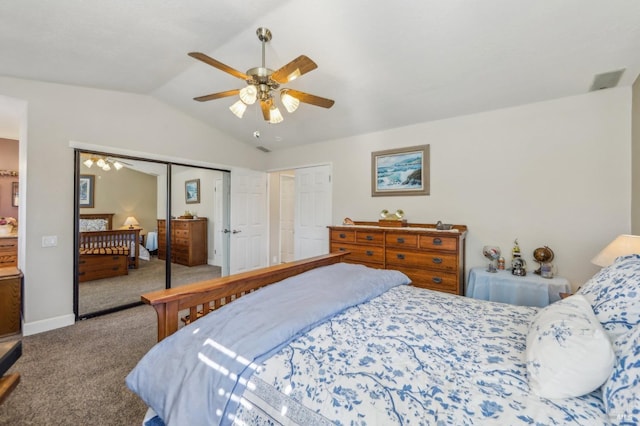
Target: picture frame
x,y
86,191
192,191
402,171
14,194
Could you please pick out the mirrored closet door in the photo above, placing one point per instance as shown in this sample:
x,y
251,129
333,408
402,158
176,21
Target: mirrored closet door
x,y
142,226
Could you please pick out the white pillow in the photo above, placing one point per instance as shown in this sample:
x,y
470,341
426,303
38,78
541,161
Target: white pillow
x,y
568,352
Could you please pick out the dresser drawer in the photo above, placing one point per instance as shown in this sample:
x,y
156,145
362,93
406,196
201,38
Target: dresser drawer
x,y
401,240
343,236
433,280
428,242
369,237
360,253
415,259
176,224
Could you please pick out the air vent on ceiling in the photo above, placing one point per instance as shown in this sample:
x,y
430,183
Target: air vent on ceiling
x,y
606,80
263,149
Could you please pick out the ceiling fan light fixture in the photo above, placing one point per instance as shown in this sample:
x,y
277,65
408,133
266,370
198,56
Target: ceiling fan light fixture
x,y
238,108
117,165
249,94
106,167
88,162
275,116
101,163
290,103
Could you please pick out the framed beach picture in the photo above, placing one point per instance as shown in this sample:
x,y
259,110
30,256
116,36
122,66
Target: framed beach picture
x,y
86,190
192,191
403,171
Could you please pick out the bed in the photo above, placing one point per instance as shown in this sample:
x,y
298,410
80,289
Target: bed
x,y
105,252
326,342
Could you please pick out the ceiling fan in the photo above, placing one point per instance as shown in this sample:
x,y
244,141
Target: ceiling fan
x,y
263,83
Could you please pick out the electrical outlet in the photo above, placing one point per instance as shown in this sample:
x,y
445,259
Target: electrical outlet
x,y
50,241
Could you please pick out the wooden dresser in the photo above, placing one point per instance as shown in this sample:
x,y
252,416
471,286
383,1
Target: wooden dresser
x,y
432,259
188,241
10,300
8,250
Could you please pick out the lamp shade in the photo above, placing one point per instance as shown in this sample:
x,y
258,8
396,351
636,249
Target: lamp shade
x,y
238,108
621,246
131,222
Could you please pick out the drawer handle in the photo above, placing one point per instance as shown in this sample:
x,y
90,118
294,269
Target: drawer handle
x,y
400,240
115,268
437,280
369,253
342,249
437,260
437,241
400,256
369,238
343,235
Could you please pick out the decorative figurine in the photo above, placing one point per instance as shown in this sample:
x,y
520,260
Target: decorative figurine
x,y
543,255
519,267
492,253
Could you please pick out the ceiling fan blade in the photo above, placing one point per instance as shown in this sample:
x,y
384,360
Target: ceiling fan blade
x,y
214,63
294,69
217,95
311,99
266,109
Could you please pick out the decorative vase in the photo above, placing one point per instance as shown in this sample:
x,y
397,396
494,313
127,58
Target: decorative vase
x,y
6,229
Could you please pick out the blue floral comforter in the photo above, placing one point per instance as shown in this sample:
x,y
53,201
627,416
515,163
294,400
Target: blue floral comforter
x,y
414,357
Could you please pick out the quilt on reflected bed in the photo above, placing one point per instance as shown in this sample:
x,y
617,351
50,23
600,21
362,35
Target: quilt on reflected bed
x,y
346,345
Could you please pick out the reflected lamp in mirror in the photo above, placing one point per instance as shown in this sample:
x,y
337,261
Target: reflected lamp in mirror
x,y
623,245
131,222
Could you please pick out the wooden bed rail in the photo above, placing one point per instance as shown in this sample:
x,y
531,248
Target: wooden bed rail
x,y
202,297
114,238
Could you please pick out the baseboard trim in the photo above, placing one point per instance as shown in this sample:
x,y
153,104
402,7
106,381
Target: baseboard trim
x,y
41,326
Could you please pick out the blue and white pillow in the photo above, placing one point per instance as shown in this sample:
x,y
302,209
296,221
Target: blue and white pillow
x,y
568,353
621,392
614,293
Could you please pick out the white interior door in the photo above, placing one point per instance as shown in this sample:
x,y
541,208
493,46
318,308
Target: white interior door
x,y
287,217
313,211
249,235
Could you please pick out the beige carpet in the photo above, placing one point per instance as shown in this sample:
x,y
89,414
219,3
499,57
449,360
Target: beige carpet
x,y
75,375
110,293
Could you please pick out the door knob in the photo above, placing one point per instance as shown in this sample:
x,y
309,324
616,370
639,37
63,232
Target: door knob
x,y
235,231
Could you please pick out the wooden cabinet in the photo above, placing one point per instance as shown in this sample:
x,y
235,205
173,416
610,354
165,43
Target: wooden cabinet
x,y
433,259
189,244
8,251
10,300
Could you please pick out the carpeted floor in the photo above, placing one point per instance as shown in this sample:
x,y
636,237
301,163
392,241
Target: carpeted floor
x,y
109,293
75,375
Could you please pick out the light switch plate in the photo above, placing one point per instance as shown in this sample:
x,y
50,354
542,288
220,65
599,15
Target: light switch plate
x,y
50,241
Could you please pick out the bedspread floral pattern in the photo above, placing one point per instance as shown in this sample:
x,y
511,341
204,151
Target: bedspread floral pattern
x,y
414,356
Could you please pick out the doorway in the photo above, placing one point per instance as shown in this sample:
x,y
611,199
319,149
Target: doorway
x,y
300,209
163,219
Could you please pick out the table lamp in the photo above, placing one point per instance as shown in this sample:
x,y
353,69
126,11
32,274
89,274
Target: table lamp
x,y
621,246
131,222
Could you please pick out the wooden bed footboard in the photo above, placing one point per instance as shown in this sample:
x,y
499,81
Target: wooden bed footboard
x,y
114,238
202,297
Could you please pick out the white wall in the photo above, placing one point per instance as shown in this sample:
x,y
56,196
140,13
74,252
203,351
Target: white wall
x,y
121,122
554,173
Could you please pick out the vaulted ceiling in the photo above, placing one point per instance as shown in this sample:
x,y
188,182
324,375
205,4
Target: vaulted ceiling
x,y
386,64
